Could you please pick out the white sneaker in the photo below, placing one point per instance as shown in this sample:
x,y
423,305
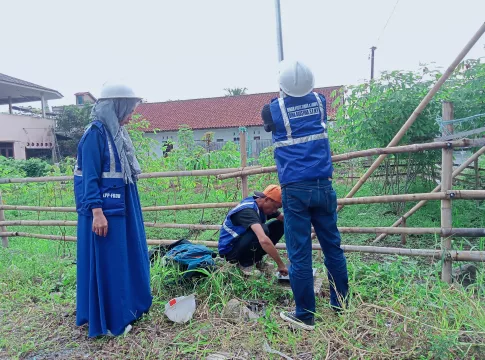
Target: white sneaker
x,y
127,330
249,270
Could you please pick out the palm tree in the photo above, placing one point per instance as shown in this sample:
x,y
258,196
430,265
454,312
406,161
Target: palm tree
x,y
235,91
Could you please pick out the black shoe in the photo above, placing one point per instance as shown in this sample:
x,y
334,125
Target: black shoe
x,y
307,324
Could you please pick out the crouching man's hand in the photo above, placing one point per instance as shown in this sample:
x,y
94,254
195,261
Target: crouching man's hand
x,y
283,270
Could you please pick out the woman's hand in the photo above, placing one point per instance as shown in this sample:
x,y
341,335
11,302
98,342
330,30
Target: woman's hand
x,y
100,224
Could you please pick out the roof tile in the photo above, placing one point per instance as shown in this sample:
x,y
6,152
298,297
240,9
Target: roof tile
x,y
219,112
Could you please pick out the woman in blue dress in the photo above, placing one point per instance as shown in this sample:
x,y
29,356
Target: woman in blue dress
x,y
113,269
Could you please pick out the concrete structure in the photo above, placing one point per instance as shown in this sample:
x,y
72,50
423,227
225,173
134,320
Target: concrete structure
x,y
22,137
82,99
222,116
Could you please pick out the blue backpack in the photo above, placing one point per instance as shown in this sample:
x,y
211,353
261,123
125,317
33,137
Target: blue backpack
x,y
191,257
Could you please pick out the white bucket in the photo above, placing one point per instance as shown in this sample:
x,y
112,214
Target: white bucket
x,y
180,309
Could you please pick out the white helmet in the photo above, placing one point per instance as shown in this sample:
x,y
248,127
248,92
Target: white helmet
x,y
295,78
117,91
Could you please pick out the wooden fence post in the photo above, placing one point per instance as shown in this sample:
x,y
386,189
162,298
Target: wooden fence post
x,y
403,235
477,178
3,228
244,160
446,184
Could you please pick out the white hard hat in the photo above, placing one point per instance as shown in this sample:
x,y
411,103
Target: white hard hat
x,y
117,91
295,78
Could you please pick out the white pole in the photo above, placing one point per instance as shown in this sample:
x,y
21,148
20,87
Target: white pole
x,y
42,99
279,35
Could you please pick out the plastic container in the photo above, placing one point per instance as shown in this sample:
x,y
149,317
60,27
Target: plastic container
x,y
180,309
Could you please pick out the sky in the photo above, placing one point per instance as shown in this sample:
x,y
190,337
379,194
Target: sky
x,y
185,49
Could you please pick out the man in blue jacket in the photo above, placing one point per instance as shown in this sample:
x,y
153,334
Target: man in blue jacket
x,y
246,236
298,121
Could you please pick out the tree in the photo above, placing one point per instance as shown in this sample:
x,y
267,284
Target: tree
x,y
235,91
72,123
374,112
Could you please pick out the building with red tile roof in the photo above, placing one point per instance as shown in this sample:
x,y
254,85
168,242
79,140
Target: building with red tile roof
x,y
222,116
216,112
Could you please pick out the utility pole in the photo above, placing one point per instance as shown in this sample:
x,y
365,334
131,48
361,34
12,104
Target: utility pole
x,y
373,49
279,33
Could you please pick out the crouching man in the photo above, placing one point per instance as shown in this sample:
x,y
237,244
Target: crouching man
x,y
245,235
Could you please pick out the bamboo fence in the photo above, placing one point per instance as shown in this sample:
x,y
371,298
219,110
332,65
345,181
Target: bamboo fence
x,y
444,193
365,153
455,255
446,196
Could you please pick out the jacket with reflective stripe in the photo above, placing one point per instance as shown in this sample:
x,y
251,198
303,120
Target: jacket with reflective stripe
x,y
302,150
229,231
112,184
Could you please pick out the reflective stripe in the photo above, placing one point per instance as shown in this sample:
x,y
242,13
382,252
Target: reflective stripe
x,y
301,140
243,204
112,174
320,105
112,163
106,175
229,230
281,102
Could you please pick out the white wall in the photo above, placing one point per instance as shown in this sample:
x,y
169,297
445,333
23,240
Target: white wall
x,y
26,132
224,134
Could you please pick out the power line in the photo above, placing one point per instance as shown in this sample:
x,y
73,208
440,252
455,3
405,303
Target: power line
x,y
388,19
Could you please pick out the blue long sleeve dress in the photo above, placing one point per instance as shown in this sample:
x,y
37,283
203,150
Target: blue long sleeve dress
x,y
113,272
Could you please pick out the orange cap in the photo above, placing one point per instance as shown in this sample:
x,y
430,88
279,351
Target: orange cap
x,y
272,191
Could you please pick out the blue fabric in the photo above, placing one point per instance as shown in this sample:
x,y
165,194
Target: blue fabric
x,y
226,239
92,187
113,272
304,161
305,204
191,257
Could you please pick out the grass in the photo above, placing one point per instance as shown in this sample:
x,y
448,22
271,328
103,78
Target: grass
x,y
398,306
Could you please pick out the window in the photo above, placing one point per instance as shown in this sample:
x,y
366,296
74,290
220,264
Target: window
x,y
6,149
257,138
220,140
79,100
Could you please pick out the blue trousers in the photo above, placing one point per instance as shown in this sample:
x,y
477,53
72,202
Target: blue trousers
x,y
305,204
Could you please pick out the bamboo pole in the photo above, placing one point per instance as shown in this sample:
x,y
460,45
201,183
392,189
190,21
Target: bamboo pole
x,y
244,160
209,172
183,226
38,223
363,153
252,170
478,256
477,178
191,206
2,227
149,208
418,110
419,205
453,194
37,208
403,235
444,232
446,183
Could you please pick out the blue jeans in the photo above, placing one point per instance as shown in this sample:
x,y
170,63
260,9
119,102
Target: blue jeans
x,y
306,203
